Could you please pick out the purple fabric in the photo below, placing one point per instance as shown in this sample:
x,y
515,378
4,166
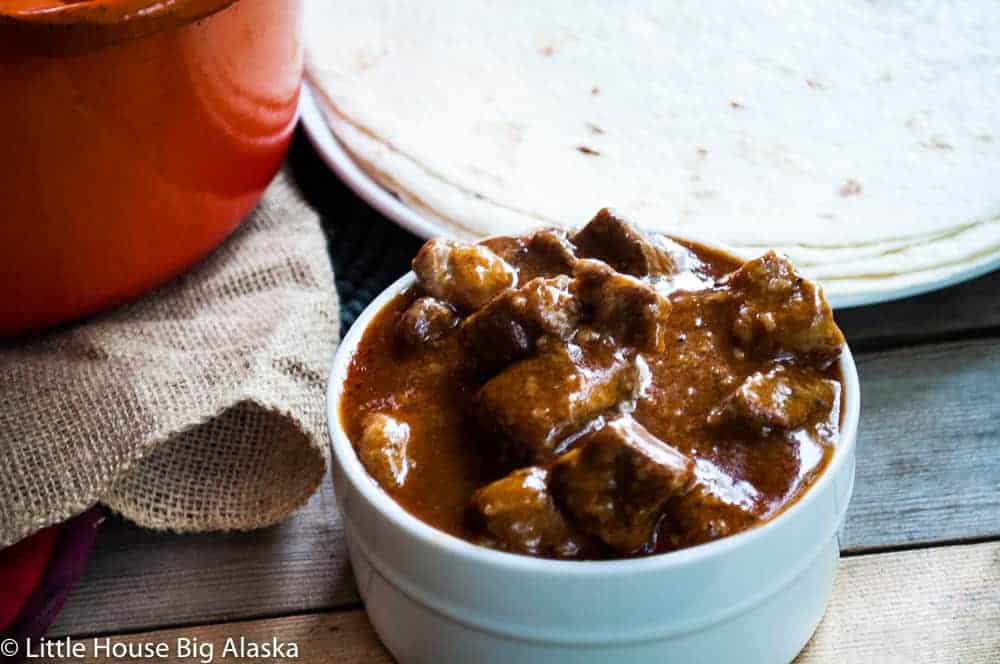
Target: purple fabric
x,y
76,538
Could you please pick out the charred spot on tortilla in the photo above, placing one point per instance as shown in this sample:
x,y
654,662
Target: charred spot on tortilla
x,y
851,188
937,144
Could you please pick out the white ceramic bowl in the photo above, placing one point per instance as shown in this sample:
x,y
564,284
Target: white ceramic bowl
x,y
754,597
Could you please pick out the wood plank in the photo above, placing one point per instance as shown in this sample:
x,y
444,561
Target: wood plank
x,y
137,579
928,457
931,605
937,605
927,469
343,637
967,309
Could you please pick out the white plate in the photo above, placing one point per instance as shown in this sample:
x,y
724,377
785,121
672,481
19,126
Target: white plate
x,y
425,226
337,158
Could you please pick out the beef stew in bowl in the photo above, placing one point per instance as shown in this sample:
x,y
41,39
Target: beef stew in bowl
x,y
600,394
534,542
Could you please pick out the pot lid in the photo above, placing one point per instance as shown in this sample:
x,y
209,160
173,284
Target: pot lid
x,y
65,27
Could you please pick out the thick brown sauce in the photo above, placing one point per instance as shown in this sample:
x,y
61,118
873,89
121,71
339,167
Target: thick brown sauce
x,y
428,388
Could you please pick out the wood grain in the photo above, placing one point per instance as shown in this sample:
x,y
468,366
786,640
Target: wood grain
x,y
934,605
137,579
927,471
928,462
972,308
343,637
938,605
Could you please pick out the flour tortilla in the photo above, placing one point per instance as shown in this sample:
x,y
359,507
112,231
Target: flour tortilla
x,y
859,138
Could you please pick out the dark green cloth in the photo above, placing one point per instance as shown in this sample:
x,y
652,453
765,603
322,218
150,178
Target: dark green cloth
x,y
368,251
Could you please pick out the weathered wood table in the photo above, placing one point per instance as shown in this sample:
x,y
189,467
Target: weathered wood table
x,y
920,575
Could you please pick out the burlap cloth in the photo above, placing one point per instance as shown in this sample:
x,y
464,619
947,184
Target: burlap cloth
x,y
199,407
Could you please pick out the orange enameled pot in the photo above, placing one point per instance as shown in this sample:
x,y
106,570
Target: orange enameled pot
x,y
137,135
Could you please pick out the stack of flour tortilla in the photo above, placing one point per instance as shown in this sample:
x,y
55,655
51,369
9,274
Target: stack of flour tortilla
x,y
860,138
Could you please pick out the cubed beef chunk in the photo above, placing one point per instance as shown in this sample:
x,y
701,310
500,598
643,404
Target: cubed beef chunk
x,y
521,516
622,246
545,253
510,249
550,252
541,401
629,308
426,320
383,450
507,328
782,397
780,312
466,275
616,481
703,514
717,504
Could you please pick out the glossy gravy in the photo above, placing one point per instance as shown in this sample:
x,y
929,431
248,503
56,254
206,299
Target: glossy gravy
x,y
749,474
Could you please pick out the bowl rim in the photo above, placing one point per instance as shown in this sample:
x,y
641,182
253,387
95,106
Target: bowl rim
x,y
346,457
